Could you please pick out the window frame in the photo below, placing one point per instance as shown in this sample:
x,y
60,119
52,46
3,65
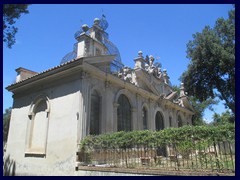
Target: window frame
x,y
99,113
124,114
145,117
162,121
29,150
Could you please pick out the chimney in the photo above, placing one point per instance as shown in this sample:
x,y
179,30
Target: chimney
x,y
23,73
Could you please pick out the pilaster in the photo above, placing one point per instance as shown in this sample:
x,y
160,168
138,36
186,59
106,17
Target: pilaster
x,y
108,109
134,119
115,106
151,121
84,104
139,112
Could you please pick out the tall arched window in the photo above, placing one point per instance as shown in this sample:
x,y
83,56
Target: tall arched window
x,y
144,114
123,114
39,124
38,127
179,121
170,121
159,121
95,114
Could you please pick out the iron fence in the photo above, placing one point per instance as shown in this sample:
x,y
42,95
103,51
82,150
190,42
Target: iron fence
x,y
205,155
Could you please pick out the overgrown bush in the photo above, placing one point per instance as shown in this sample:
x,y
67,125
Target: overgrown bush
x,y
181,137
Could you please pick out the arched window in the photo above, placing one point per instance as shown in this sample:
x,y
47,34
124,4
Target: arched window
x,y
159,121
39,123
38,128
95,114
179,121
170,121
144,114
123,114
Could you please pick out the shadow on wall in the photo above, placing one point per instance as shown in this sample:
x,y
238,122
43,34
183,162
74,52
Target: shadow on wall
x,y
9,166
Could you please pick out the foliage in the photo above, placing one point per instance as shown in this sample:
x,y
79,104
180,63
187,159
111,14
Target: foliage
x,y
11,12
199,108
180,136
6,123
211,72
224,118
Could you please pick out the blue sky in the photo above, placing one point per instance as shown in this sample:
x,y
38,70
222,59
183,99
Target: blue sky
x,y
46,34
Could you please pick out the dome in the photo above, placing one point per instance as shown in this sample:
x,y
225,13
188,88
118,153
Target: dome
x,y
96,21
77,34
103,22
71,55
116,64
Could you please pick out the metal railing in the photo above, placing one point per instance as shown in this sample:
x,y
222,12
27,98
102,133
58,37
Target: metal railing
x,y
208,155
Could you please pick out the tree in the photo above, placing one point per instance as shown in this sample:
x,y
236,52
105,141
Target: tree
x,y
211,72
225,118
6,123
11,12
199,107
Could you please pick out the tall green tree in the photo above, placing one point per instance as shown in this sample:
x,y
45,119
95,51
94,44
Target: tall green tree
x,y
199,108
224,118
211,72
12,12
6,123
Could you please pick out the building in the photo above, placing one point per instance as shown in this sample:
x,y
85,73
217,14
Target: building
x,y
90,92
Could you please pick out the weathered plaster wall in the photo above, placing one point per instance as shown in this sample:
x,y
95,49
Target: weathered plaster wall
x,y
69,116
62,131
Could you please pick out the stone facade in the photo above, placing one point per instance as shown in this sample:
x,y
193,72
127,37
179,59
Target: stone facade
x,y
53,110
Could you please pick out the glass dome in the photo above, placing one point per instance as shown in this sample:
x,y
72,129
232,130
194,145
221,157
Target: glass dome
x,y
103,23
70,56
116,64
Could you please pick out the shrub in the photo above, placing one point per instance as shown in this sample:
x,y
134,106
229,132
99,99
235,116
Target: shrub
x,y
181,137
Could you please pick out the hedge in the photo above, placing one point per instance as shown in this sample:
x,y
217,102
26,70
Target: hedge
x,y
182,136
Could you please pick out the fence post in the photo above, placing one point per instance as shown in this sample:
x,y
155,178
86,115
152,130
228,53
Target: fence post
x,y
216,154
230,149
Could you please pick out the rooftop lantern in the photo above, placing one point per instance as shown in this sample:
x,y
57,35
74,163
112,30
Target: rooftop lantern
x,y
94,41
